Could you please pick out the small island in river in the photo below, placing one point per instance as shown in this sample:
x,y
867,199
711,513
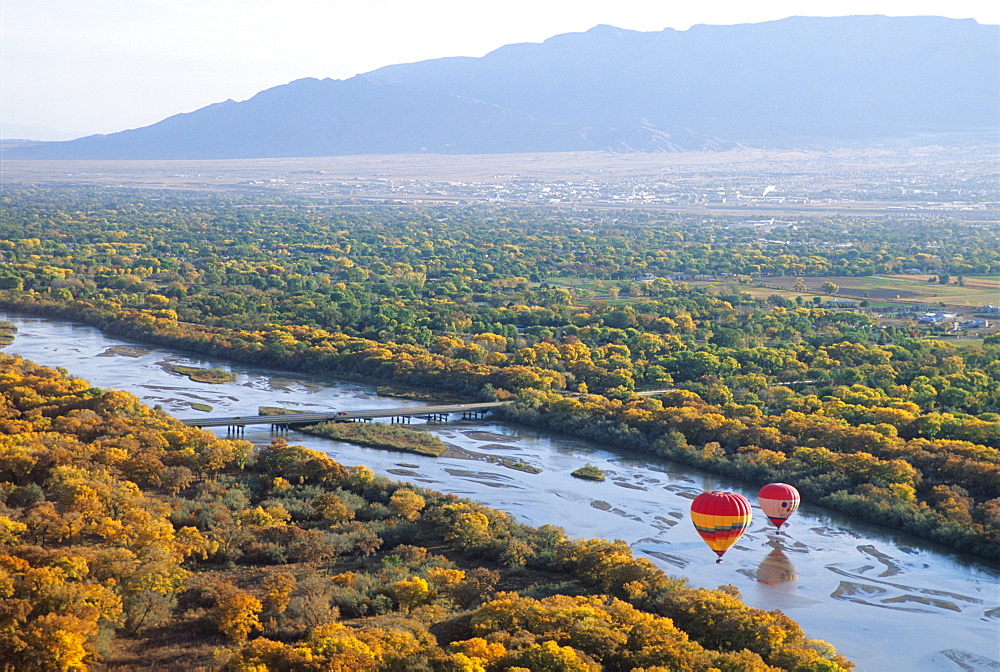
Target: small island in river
x,y
199,375
380,435
7,331
589,472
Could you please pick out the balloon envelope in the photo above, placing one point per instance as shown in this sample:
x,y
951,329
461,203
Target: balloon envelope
x,y
778,501
720,518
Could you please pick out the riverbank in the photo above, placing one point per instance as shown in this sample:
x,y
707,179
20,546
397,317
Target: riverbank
x,y
857,479
817,480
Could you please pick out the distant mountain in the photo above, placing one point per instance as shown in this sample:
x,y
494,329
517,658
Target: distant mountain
x,y
798,81
20,133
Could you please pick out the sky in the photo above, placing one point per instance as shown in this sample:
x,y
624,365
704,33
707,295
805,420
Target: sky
x,y
76,67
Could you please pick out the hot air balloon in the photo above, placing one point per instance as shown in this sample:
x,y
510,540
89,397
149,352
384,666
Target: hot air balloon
x,y
778,501
720,518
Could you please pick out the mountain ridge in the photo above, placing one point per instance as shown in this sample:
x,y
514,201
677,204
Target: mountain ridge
x,y
789,82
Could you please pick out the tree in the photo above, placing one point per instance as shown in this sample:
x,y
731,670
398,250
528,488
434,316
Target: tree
x,y
406,503
467,528
331,508
277,592
411,592
238,612
550,657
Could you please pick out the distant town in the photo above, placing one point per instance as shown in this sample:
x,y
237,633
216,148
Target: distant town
x,y
760,188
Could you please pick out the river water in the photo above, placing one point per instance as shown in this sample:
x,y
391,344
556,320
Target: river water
x,y
887,601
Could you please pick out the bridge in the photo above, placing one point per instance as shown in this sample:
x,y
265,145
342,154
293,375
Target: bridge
x,y
435,413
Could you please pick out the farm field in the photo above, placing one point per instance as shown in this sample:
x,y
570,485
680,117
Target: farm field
x,y
908,289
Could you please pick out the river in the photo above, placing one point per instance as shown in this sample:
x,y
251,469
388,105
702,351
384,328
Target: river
x,y
887,601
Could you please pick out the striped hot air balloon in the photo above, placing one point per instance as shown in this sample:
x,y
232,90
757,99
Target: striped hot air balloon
x,y
720,518
778,501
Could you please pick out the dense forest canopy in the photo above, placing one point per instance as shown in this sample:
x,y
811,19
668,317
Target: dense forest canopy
x,y
132,541
568,313
893,423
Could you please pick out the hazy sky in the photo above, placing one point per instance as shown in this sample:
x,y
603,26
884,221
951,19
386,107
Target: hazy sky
x,y
99,66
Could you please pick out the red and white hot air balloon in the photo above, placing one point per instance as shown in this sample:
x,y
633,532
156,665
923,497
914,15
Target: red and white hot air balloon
x,y
778,501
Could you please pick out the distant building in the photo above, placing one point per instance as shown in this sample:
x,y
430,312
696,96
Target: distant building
x,y
935,318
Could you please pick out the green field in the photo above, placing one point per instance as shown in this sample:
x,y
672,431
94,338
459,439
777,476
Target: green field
x,y
976,292
879,291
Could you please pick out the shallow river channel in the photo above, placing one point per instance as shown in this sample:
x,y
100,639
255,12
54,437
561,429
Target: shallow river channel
x,y
887,601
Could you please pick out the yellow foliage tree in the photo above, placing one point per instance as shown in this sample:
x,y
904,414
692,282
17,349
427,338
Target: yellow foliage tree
x,y
238,612
411,592
406,503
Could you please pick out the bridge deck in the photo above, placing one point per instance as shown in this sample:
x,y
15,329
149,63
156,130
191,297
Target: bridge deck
x,y
342,416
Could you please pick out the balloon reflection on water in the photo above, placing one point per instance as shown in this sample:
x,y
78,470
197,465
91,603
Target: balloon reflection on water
x,y
776,568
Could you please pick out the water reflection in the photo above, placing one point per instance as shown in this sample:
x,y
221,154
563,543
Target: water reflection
x,y
776,568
